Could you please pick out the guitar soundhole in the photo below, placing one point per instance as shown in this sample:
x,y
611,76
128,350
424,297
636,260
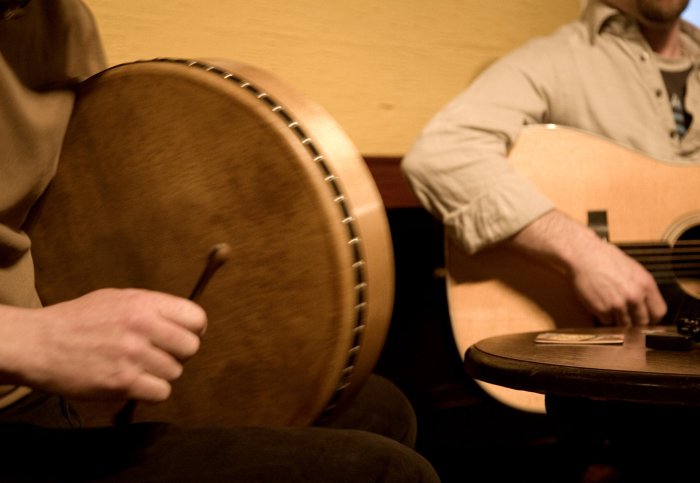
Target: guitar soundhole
x,y
686,269
686,261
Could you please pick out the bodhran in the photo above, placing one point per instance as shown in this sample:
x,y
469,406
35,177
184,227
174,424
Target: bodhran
x,y
164,159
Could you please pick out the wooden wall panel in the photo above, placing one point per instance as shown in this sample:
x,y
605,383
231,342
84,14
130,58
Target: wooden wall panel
x,y
382,68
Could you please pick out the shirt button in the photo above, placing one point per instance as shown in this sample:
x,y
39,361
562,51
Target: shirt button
x,y
674,134
644,56
658,92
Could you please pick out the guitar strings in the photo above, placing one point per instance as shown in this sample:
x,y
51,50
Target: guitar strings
x,y
667,263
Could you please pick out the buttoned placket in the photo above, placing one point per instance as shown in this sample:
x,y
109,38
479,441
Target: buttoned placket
x,y
643,57
652,76
691,142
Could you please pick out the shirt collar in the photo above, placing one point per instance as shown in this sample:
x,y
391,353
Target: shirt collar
x,y
692,47
599,16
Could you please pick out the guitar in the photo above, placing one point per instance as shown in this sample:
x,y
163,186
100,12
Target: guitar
x,y
650,209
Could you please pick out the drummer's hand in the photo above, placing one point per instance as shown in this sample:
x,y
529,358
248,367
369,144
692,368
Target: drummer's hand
x,y
108,344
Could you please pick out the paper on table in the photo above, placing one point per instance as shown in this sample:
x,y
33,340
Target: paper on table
x,y
578,338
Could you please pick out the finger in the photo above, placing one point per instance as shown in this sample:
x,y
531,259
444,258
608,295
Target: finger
x,y
638,314
174,339
139,355
623,318
656,305
184,313
150,388
160,364
172,324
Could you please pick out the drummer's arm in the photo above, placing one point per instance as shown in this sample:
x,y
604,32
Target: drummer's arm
x,y
108,344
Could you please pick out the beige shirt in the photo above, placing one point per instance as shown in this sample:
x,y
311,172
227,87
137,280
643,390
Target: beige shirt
x,y
42,55
597,74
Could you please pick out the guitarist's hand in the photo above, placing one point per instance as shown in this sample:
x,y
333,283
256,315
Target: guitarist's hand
x,y
612,286
615,288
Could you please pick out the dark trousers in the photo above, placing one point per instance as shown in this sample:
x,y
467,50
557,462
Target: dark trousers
x,y
371,441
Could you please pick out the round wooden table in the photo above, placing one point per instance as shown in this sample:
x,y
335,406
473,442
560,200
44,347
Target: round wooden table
x,y
623,372
611,404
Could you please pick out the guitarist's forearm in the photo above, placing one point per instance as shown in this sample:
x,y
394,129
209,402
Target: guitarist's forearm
x,y
612,286
555,240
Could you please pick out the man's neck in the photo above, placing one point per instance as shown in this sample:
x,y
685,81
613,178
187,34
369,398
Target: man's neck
x,y
665,41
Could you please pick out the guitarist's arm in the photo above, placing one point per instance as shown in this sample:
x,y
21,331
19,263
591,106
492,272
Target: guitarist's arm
x,y
613,287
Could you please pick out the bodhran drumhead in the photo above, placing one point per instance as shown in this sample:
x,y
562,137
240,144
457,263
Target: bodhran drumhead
x,y
164,159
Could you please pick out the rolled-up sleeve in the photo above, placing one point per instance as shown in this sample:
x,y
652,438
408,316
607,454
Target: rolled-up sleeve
x,y
458,167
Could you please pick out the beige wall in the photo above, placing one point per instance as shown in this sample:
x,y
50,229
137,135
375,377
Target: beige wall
x,y
380,67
